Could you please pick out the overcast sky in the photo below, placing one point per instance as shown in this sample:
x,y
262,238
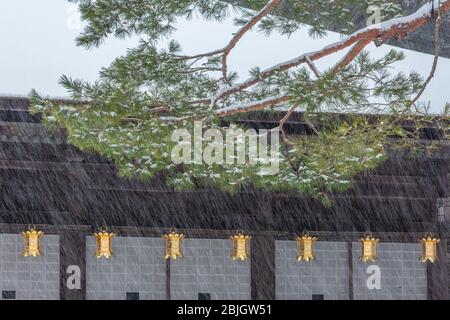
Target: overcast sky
x,y
37,47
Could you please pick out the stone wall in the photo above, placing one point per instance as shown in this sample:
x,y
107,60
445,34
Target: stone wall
x,y
401,275
29,278
138,271
208,271
327,275
137,268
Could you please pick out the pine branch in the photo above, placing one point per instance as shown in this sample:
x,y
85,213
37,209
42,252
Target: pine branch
x,y
238,36
387,30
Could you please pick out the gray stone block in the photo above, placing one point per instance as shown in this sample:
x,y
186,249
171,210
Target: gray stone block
x,y
207,268
27,275
300,280
137,266
402,275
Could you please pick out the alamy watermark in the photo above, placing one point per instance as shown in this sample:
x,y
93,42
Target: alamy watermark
x,y
375,16
237,147
73,281
374,280
375,13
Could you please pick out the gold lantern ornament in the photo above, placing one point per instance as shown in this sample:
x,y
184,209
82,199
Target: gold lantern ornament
x,y
429,248
306,247
173,245
369,248
240,247
103,240
31,239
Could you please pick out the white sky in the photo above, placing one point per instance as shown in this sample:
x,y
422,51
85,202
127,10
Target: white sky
x,y
37,47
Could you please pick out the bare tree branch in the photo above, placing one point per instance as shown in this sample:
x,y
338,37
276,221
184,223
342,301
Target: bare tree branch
x,y
254,106
437,47
313,67
238,36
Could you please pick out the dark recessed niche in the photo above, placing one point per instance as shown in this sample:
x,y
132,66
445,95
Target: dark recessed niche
x,y
132,295
317,297
204,296
8,295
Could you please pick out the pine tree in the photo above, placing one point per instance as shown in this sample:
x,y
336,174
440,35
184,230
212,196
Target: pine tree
x,y
130,113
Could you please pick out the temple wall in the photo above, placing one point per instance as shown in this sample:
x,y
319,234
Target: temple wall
x,y
208,271
326,277
138,271
29,278
137,267
402,275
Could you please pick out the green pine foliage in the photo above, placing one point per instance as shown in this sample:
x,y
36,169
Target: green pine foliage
x,y
130,113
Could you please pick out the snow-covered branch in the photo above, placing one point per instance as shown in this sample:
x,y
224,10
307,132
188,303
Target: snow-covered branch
x,y
252,106
393,28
